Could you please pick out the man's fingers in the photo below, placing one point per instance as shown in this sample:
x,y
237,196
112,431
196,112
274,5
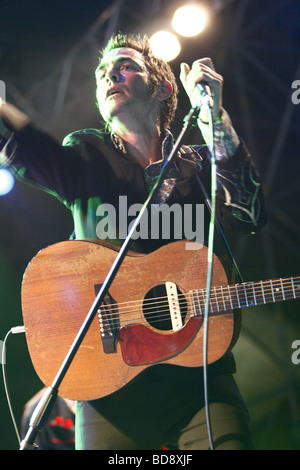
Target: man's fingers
x,y
184,70
205,61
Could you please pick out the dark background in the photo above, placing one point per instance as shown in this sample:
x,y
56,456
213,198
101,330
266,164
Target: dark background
x,y
48,53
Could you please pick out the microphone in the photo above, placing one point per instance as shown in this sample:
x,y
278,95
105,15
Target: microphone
x,y
205,94
204,90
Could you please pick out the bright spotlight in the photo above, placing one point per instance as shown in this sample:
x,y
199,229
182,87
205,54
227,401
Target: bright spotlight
x,y
165,45
6,181
189,20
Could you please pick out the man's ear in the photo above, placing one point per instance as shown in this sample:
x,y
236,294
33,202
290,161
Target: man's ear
x,y
164,90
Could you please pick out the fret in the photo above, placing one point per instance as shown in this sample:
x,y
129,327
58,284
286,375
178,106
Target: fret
x,y
227,298
230,298
203,298
210,304
249,294
211,308
273,296
293,287
259,293
282,289
263,291
268,291
223,300
202,307
201,302
237,295
196,305
296,284
277,290
241,295
246,297
216,297
217,301
254,295
288,288
234,297
246,294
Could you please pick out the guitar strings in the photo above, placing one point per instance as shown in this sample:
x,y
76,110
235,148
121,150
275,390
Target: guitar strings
x,y
153,301
162,306
155,317
222,289
162,302
214,299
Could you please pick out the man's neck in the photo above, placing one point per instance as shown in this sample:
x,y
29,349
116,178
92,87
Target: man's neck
x,y
143,144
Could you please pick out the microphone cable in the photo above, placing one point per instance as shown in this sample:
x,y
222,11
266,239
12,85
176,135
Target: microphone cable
x,y
210,246
15,330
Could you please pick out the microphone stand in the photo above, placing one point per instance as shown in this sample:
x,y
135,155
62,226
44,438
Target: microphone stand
x,y
42,411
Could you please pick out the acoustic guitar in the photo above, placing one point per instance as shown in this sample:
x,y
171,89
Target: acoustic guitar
x,y
152,314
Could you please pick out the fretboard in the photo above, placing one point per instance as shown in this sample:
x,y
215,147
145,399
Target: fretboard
x,y
246,294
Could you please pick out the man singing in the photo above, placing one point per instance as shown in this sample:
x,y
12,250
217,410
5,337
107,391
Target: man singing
x,y
137,100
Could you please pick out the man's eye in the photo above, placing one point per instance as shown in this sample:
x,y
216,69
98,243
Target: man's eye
x,y
100,74
126,67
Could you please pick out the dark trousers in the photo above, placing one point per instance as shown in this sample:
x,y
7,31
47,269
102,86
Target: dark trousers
x,y
157,410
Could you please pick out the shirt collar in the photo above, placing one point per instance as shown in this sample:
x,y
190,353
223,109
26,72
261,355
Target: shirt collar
x,y
167,144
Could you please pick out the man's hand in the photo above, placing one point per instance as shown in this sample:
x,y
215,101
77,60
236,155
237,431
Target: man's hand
x,y
202,71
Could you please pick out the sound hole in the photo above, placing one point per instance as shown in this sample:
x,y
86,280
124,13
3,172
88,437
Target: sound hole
x,y
156,307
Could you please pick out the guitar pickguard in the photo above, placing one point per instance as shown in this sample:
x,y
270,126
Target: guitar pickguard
x,y
141,345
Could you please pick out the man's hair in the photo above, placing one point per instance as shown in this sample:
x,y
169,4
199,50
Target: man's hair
x,y
159,70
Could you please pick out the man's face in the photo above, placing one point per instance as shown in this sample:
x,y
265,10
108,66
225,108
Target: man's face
x,y
123,85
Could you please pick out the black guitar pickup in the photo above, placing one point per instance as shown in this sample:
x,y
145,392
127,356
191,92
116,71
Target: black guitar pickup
x,y
108,318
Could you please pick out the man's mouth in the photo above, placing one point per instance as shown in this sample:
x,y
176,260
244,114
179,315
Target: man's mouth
x,y
112,93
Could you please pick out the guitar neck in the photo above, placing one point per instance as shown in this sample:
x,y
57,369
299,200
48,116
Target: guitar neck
x,y
246,294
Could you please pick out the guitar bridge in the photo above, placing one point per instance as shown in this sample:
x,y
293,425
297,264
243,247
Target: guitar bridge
x,y
174,306
108,322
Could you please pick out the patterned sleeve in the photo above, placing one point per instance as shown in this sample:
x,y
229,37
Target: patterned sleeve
x,y
241,203
240,199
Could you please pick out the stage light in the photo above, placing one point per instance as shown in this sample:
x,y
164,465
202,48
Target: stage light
x,y
165,45
189,20
6,181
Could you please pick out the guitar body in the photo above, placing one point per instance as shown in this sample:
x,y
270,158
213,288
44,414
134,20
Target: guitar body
x,y
59,287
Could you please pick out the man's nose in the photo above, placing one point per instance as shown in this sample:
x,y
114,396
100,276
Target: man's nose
x,y
113,75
